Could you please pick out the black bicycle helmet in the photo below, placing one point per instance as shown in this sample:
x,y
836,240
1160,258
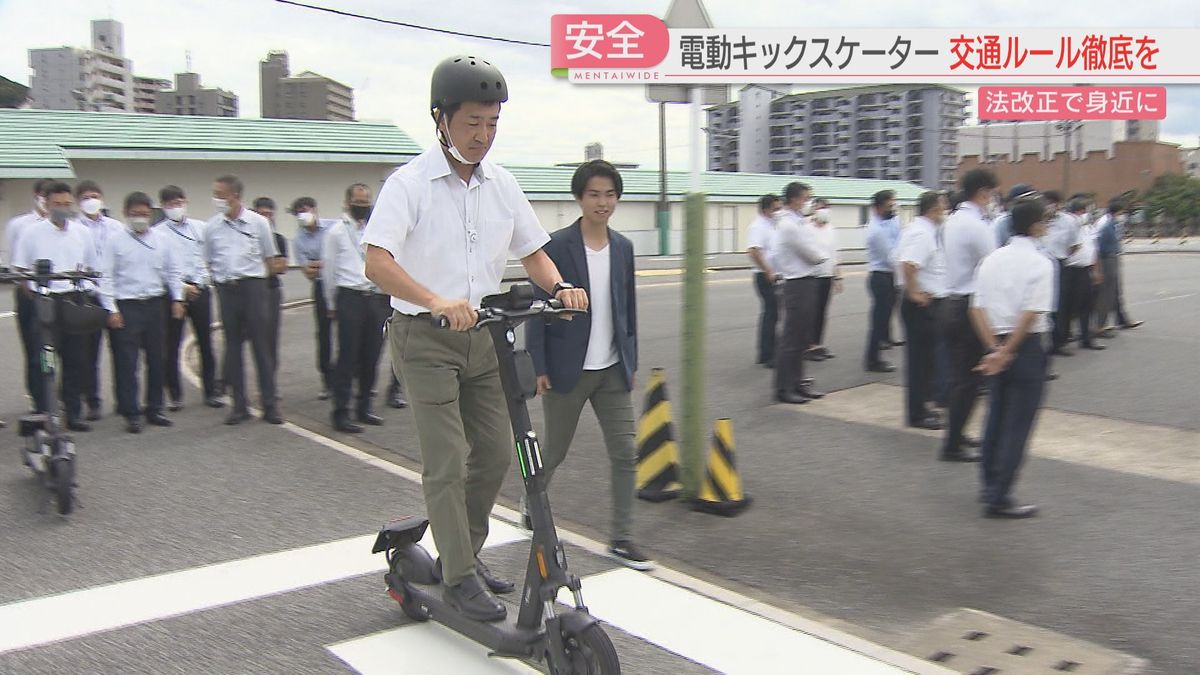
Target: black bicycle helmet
x,y
466,78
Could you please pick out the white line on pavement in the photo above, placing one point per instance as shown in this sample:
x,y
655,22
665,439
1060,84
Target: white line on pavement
x,y
40,621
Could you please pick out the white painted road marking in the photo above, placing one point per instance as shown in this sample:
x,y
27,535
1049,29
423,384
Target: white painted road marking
x,y
421,648
711,633
40,621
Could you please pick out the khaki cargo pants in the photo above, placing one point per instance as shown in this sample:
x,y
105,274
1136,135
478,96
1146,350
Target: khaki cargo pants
x,y
453,383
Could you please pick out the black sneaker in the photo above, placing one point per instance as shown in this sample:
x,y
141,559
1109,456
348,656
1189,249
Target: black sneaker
x,y
628,554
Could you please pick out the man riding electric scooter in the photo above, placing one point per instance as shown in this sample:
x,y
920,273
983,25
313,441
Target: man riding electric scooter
x,y
437,242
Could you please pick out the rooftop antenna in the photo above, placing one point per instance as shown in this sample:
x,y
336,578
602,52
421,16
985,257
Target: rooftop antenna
x,y
187,55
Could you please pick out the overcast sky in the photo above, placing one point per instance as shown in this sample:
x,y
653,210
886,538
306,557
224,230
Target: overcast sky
x,y
546,120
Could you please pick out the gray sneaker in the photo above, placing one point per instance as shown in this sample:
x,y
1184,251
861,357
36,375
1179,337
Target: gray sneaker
x,y
629,555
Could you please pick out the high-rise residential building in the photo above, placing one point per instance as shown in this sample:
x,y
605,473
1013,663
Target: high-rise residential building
x,y
189,98
307,96
100,78
1010,141
887,132
145,90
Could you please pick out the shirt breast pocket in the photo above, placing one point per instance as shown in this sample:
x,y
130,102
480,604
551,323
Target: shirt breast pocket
x,y
495,238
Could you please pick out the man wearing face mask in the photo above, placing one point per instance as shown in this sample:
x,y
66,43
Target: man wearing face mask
x,y
968,239
238,246
91,205
277,267
883,231
68,245
829,278
358,307
22,297
922,253
186,241
761,232
437,242
139,275
310,234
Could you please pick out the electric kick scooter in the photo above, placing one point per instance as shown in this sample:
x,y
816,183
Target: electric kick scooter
x,y
48,451
569,640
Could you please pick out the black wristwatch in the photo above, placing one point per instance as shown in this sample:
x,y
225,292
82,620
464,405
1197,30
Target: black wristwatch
x,y
562,285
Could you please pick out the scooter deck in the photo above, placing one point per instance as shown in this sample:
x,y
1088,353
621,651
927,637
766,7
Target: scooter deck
x,y
503,637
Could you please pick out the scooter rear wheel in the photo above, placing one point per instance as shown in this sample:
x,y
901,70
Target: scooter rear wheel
x,y
590,652
409,605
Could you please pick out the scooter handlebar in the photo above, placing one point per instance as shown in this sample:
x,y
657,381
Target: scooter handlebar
x,y
549,309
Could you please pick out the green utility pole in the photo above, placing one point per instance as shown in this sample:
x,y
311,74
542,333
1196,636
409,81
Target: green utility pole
x,y
694,437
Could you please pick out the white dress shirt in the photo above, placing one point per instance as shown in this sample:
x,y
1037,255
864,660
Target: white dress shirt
x,y
68,249
238,247
921,245
1061,235
1015,279
12,232
827,242
138,267
1086,255
968,239
796,249
102,228
186,241
602,340
452,237
344,260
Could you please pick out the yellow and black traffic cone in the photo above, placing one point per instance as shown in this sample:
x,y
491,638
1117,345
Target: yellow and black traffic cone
x,y
657,453
721,489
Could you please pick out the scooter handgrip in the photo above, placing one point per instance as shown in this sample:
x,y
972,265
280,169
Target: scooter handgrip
x,y
441,321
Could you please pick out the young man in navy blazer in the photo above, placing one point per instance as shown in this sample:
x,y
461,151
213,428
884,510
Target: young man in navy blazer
x,y
594,357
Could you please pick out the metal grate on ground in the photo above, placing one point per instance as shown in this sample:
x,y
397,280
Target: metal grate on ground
x,y
976,643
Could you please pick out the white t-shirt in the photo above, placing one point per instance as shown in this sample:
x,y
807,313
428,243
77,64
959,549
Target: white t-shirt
x,y
602,343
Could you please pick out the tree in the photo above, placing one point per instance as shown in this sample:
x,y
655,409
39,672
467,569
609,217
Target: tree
x,y
12,94
1176,199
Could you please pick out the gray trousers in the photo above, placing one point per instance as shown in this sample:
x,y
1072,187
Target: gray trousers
x,y
613,405
458,404
1106,299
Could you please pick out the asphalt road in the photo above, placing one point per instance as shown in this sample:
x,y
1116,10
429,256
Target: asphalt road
x,y
854,525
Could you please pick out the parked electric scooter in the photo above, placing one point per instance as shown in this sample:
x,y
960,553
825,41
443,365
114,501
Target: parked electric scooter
x,y
570,641
48,451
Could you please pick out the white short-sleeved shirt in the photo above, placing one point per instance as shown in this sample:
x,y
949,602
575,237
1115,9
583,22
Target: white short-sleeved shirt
x,y
795,251
760,232
968,239
238,247
921,244
453,238
1085,256
68,249
827,241
1061,235
1015,279
12,232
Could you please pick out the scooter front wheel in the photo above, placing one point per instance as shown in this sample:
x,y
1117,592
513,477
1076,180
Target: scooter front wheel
x,y
589,652
63,471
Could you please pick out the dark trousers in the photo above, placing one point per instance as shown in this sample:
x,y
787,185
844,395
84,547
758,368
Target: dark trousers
x,y
245,314
920,334
274,317
824,293
324,334
1014,398
882,286
1118,283
799,309
768,319
144,331
1074,302
199,312
26,317
1086,305
360,319
964,351
73,354
91,364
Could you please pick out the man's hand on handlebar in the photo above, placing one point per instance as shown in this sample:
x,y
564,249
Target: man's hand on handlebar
x,y
572,298
457,312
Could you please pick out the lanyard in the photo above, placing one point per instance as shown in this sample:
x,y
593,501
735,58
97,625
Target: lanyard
x,y
356,246
172,228
138,239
